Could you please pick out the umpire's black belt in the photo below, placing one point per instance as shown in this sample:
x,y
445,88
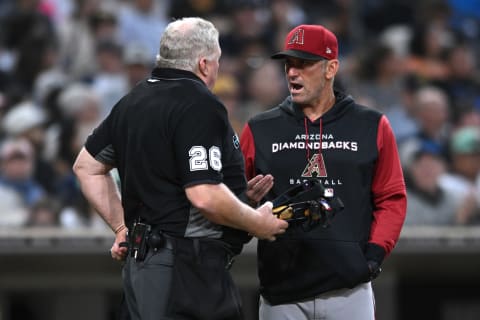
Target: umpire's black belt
x,y
206,251
158,240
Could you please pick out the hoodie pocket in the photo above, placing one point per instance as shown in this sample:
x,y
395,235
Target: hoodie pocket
x,y
351,263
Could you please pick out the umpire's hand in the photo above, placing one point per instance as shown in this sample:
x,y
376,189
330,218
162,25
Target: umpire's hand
x,y
268,225
119,252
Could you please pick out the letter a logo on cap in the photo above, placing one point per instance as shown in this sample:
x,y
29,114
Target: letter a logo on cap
x,y
297,37
311,42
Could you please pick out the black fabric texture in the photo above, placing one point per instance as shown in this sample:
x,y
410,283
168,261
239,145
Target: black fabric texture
x,y
202,287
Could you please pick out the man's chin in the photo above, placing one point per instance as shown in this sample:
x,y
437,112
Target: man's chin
x,y
297,98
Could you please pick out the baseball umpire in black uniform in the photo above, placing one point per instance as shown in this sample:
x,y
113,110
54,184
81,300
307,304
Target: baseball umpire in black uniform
x,y
180,170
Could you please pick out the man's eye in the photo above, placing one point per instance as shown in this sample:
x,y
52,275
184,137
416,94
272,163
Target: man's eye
x,y
299,64
306,63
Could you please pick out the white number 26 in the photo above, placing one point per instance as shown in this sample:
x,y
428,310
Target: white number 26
x,y
200,161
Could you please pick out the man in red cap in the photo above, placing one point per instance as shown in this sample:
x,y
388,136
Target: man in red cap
x,y
322,134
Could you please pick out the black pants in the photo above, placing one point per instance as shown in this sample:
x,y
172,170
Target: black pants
x,y
189,282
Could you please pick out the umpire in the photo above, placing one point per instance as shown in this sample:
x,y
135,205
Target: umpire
x,y
180,170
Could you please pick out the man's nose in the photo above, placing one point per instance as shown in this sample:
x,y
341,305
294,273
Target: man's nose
x,y
291,71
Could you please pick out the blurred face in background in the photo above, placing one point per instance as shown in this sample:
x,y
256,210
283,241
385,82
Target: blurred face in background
x,y
425,171
462,63
143,5
467,164
265,84
431,110
18,164
136,72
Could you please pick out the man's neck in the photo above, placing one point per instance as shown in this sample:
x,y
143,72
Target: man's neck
x,y
315,111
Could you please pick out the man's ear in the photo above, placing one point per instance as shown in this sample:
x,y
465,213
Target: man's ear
x,y
331,69
203,66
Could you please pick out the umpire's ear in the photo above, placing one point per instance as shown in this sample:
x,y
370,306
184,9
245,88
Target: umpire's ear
x,y
207,72
203,67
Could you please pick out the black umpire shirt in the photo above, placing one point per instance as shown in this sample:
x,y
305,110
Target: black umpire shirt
x,y
170,132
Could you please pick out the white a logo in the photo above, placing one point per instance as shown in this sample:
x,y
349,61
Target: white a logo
x,y
297,37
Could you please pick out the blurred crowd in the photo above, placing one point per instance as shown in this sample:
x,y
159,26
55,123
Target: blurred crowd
x,y
65,63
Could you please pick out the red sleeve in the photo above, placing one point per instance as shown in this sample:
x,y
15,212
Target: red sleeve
x,y
247,144
388,189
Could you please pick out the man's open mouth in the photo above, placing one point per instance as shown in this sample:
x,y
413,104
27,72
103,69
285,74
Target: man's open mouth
x,y
295,87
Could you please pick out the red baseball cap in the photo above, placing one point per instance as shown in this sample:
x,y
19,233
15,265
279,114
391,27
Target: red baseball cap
x,y
310,42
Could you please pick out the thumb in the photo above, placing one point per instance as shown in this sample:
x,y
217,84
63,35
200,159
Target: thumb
x,y
268,204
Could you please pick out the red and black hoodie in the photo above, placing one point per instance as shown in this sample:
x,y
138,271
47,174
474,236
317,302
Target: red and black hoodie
x,y
350,149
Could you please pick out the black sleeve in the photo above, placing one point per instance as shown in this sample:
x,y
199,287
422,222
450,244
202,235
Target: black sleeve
x,y
99,143
198,142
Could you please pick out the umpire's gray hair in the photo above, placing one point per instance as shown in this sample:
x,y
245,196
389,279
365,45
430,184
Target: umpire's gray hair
x,y
185,41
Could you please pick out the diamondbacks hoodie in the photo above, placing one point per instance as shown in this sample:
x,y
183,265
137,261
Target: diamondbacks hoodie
x,y
351,149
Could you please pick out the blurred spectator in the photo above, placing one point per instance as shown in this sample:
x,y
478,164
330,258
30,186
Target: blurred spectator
x,y
7,62
77,43
376,16
397,38
428,46
44,213
265,87
80,106
192,8
247,25
462,179
18,190
467,116
252,56
110,81
227,89
24,118
11,91
27,120
463,83
37,38
17,158
402,113
104,25
338,16
143,21
379,77
428,202
35,57
49,96
47,81
431,107
285,14
138,63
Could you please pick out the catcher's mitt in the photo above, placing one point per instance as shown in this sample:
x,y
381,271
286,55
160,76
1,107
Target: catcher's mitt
x,y
308,203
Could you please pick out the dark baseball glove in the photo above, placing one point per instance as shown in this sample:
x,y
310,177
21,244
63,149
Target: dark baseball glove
x,y
308,204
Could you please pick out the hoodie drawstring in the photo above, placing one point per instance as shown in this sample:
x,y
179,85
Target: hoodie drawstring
x,y
306,135
320,145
